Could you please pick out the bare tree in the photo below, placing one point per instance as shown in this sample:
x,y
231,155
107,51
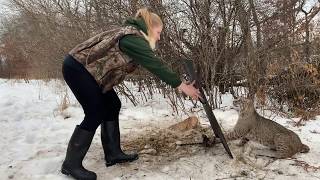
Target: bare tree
x,y
232,43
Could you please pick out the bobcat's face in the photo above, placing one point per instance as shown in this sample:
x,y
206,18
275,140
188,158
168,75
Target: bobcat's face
x,y
243,104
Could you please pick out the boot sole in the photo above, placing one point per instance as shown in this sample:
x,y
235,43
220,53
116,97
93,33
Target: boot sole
x,y
108,164
67,173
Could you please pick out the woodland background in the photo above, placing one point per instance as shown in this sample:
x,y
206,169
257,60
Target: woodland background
x,y
269,48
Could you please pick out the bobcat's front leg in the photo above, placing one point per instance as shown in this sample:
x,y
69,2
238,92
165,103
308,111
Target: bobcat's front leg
x,y
235,134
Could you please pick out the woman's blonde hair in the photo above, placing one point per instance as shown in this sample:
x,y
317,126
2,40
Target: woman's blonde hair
x,y
151,20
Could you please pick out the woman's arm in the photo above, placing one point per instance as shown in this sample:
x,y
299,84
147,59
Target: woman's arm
x,y
139,50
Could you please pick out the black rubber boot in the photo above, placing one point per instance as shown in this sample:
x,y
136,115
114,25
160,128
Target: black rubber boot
x,y
77,148
110,138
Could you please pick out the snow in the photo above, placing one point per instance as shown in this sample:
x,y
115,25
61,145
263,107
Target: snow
x,y
35,132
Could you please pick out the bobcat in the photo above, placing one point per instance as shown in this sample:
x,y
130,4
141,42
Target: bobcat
x,y
252,126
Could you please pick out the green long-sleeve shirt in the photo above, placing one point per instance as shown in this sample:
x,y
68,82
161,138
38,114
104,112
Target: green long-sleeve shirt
x,y
140,51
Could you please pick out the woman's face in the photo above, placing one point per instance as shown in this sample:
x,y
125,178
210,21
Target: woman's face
x,y
156,32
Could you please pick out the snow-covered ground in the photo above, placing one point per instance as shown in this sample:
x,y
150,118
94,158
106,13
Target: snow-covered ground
x,y
35,132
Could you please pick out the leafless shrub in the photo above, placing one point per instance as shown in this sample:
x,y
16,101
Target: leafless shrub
x,y
232,43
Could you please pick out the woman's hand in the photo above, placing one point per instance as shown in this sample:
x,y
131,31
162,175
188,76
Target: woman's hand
x,y
190,90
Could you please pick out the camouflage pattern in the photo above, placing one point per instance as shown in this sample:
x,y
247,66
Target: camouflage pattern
x,y
104,60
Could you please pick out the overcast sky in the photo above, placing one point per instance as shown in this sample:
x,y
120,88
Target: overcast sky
x,y
2,7
309,3
1,2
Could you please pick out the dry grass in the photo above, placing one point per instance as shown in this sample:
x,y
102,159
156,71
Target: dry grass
x,y
165,143
307,167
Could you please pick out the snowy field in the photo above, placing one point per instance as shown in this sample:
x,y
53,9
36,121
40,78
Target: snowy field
x,y
35,132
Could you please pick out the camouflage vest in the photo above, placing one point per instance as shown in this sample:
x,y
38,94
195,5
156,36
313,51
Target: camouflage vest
x,y
102,57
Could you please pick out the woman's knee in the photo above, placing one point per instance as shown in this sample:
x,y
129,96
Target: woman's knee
x,y
96,117
112,100
117,104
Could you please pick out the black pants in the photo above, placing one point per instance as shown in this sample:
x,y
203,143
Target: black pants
x,y
97,106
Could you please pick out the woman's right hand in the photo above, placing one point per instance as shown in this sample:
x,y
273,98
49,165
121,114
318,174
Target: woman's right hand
x,y
190,90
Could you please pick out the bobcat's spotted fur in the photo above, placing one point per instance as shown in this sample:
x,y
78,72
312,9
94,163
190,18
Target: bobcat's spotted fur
x,y
252,126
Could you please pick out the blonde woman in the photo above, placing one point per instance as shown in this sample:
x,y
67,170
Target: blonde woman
x,y
93,68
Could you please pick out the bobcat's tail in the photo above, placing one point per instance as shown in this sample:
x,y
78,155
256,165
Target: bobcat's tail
x,y
304,148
